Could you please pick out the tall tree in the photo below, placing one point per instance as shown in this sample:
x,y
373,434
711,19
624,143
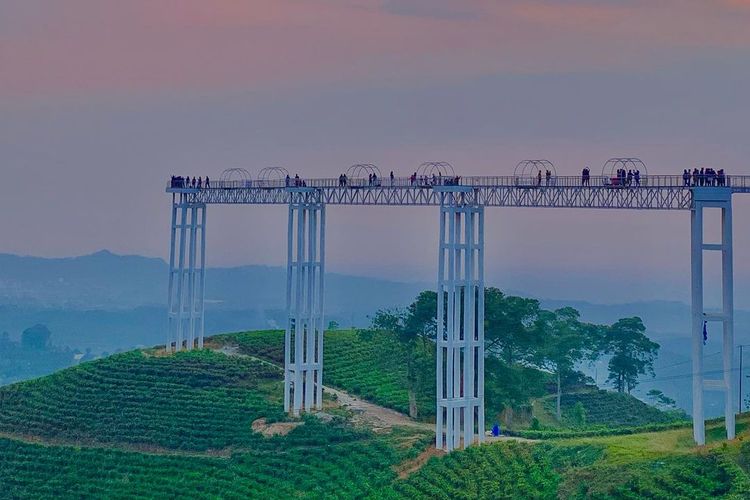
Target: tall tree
x,y
566,341
508,330
421,317
633,353
411,328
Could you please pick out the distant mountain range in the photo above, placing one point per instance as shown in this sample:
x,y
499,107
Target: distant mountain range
x,y
104,280
107,302
103,283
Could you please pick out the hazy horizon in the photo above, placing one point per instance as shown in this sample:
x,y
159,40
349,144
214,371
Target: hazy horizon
x,y
101,102
543,286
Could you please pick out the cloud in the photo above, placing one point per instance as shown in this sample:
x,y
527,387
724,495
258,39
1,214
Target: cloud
x,y
437,9
142,47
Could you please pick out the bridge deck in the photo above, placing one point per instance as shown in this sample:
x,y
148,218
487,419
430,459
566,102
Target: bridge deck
x,y
653,192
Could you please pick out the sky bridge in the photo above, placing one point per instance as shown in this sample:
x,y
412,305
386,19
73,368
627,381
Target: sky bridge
x,y
660,192
624,183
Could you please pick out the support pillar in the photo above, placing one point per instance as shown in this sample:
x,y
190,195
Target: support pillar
x,y
303,340
712,198
187,275
460,322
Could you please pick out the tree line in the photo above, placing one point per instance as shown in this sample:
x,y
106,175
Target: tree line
x,y
519,334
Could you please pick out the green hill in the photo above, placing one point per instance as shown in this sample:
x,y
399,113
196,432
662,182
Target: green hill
x,y
608,409
370,365
145,425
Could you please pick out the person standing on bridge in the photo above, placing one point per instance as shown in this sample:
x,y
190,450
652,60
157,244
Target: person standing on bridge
x,y
547,177
539,178
392,177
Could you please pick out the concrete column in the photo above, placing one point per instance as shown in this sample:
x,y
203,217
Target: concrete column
x,y
696,280
303,340
460,331
185,303
712,198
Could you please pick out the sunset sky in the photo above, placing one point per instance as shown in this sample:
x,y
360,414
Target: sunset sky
x,y
102,100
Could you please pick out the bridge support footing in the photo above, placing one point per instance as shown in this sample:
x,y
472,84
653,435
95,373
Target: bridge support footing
x,y
187,276
303,340
460,323
721,199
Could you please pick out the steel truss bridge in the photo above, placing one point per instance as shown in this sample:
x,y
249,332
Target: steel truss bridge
x,y
460,275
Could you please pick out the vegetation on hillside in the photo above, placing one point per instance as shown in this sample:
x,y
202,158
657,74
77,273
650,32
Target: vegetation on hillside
x,y
522,337
142,424
191,401
610,409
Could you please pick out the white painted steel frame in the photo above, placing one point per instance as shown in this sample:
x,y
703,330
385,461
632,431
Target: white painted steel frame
x,y
303,340
187,276
460,206
642,198
702,199
460,323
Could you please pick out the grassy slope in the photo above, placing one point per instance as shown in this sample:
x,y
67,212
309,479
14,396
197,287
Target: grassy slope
x,y
372,367
138,424
151,426
369,366
655,465
611,409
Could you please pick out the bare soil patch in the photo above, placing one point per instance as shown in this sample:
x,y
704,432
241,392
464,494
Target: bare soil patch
x,y
275,429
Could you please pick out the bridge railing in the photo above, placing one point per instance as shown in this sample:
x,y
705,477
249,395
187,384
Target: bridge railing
x,y
532,182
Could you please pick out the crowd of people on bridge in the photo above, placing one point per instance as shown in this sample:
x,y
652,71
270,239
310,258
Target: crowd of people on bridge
x,y
414,180
296,181
180,182
628,177
435,180
706,176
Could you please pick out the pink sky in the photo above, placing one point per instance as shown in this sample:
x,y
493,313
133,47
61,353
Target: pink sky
x,y
100,101
79,47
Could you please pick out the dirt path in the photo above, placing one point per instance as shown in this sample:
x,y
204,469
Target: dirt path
x,y
375,416
379,417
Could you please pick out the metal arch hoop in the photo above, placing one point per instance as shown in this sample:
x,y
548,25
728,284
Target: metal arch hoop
x,y
271,174
235,174
359,170
628,163
531,168
441,168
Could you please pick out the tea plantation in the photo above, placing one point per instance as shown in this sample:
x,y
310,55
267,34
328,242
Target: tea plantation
x,y
370,365
145,425
611,409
